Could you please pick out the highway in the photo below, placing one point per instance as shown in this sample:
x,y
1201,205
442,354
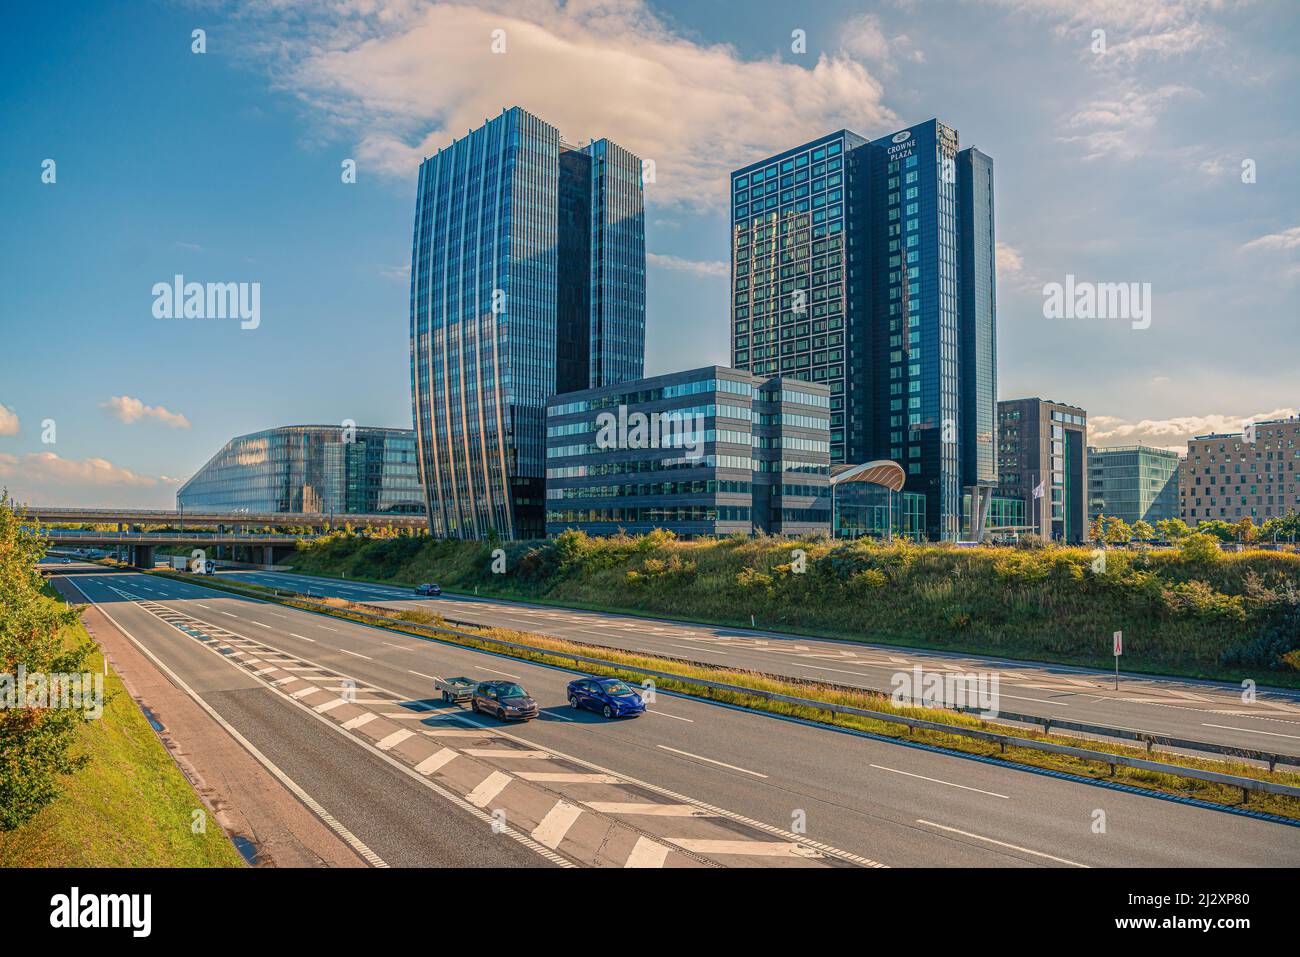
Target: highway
x,y
1193,710
348,713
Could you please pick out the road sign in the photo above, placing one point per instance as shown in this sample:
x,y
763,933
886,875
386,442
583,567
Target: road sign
x,y
1119,643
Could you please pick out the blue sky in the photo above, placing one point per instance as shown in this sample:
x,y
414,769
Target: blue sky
x,y
1121,164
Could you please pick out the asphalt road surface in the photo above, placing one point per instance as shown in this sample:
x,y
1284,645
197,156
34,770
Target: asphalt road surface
x,y
1194,710
349,713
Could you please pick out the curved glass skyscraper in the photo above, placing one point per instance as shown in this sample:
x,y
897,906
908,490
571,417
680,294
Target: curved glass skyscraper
x,y
527,279
310,468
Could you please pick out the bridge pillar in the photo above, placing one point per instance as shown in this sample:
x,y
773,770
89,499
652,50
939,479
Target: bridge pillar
x,y
142,556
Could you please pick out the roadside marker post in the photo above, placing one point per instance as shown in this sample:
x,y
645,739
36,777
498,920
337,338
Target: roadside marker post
x,y
1119,650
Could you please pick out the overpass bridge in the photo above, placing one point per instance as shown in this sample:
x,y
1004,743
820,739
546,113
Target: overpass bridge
x,y
256,549
317,521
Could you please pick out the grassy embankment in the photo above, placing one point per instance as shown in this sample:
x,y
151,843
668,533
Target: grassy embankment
x,y
1195,611
553,651
129,806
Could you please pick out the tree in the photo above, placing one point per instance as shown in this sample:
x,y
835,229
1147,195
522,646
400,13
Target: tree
x,y
1118,531
1173,529
1219,529
35,743
1142,531
1200,547
1245,530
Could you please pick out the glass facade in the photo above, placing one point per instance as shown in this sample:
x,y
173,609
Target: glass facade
x,y
863,509
527,278
869,265
718,452
1134,483
310,468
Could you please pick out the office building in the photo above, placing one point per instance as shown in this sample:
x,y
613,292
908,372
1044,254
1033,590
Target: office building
x,y
1251,474
528,279
1133,483
868,265
310,468
1041,446
711,451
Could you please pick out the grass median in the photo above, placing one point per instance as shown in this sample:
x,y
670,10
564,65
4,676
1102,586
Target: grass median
x,y
685,677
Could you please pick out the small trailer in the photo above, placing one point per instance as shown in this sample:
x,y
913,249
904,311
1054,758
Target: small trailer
x,y
456,690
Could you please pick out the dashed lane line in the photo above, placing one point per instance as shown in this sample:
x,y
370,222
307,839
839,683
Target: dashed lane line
x,y
1014,847
951,784
722,764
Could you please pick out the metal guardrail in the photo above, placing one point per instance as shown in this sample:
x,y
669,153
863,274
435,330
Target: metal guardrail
x,y
1150,739
73,534
1003,740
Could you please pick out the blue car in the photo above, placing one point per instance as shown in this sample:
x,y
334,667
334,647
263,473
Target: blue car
x,y
609,696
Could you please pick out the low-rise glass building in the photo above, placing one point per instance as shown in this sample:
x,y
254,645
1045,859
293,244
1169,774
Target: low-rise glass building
x,y
1133,483
311,468
712,451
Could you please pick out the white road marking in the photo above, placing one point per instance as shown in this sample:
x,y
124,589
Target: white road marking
x,y
665,714
550,832
434,761
358,721
259,624
752,848
355,654
711,761
1014,847
353,841
550,777
646,853
394,739
229,615
488,788
419,675
329,706
303,692
303,637
653,810
881,767
1272,734
506,673
506,753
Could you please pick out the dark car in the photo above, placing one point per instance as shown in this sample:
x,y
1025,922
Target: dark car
x,y
504,699
609,696
428,589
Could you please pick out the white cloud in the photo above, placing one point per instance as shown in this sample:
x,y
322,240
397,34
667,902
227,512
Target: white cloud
x,y
129,409
698,267
8,421
1150,29
1119,126
1285,240
403,80
40,469
1108,430
864,37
